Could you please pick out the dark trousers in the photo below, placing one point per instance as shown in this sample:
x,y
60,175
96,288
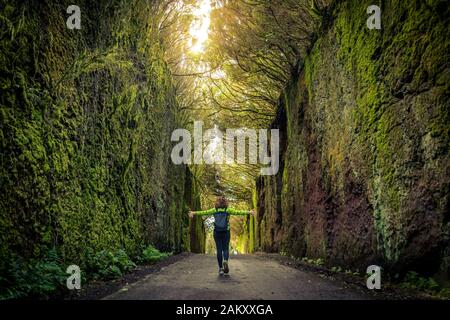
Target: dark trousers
x,y
222,239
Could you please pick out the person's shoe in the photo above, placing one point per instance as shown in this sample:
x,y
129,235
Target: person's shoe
x,y
220,272
225,267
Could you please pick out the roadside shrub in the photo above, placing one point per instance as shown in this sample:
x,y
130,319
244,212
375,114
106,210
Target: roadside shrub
x,y
445,292
336,269
318,262
151,254
37,278
413,280
109,265
42,278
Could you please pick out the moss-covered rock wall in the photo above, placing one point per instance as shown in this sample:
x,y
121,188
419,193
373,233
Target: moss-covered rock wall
x,y
197,234
365,143
85,123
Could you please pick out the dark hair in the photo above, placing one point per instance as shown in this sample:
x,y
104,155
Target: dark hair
x,y
221,202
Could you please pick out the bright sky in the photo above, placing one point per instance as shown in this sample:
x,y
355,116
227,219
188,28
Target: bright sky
x,y
200,26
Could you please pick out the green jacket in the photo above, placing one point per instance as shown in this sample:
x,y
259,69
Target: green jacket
x,y
231,211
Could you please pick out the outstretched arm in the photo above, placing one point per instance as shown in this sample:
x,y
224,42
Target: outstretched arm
x,y
235,212
202,213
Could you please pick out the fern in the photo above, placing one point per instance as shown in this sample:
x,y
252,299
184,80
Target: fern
x,y
151,254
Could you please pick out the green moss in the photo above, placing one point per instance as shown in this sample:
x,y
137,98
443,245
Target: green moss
x,y
85,115
375,129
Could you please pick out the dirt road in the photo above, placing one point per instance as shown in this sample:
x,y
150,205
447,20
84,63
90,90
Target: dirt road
x,y
251,277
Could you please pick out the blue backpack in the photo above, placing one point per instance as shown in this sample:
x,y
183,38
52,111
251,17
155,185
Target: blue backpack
x,y
221,220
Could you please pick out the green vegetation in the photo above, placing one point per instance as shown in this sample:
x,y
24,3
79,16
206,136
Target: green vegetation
x,y
316,262
413,280
86,118
336,269
32,278
366,146
109,265
151,254
47,277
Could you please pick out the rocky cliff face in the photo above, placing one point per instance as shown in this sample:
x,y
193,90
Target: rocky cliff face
x,y
85,118
365,144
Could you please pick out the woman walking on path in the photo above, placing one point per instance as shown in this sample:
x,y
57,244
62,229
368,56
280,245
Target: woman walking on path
x,y
221,214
